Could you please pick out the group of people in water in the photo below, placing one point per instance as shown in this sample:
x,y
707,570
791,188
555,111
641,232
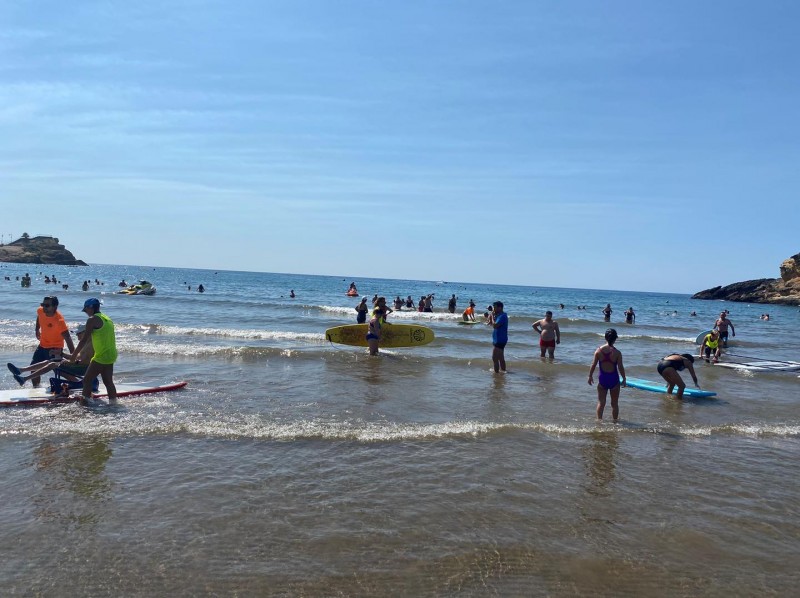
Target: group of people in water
x,y
94,355
607,358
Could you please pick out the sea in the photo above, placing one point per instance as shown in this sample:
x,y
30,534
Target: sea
x,y
290,466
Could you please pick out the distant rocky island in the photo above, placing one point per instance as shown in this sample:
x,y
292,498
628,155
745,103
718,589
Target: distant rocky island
x,y
38,250
784,290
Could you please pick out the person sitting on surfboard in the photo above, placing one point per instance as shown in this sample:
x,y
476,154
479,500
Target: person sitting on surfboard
x,y
669,367
69,371
711,343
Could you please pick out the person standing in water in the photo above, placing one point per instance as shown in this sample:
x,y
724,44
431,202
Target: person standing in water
x,y
361,311
549,334
499,322
722,324
607,312
630,316
609,359
100,330
52,332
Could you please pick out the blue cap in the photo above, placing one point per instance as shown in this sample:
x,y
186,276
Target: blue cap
x,y
94,303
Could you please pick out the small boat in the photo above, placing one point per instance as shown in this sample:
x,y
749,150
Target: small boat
x,y
142,288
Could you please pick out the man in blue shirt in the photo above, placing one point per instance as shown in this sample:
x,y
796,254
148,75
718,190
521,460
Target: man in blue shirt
x,y
499,321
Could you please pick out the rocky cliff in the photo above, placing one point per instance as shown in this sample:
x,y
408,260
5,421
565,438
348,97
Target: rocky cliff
x,y
784,290
38,250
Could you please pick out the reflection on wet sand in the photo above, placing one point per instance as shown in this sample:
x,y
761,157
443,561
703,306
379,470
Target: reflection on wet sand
x,y
71,480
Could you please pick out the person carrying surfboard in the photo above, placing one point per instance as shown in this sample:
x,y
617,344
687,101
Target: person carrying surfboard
x,y
377,321
711,344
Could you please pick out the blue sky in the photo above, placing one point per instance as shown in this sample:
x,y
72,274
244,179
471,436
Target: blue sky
x,y
617,145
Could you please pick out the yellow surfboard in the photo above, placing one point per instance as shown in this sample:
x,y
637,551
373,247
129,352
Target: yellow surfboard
x,y
392,335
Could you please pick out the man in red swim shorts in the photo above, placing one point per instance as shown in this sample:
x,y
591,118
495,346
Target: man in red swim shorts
x,y
549,334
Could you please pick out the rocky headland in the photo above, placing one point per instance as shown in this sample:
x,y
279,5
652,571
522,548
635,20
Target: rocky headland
x,y
784,290
38,250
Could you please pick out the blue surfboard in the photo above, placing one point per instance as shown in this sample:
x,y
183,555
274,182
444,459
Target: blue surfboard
x,y
661,387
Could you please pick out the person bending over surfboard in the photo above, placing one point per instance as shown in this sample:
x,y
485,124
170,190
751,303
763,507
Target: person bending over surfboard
x,y
711,344
609,358
669,367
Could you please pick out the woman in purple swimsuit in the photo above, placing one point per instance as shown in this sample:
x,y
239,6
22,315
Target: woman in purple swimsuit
x,y
610,361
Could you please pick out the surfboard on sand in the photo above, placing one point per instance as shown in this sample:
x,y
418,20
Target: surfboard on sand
x,y
22,397
661,387
392,335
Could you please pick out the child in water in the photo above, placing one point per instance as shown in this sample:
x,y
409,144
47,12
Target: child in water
x,y
610,360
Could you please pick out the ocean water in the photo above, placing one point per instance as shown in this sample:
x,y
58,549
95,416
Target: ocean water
x,y
293,467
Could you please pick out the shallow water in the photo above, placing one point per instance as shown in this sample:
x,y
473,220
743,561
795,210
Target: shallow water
x,y
290,466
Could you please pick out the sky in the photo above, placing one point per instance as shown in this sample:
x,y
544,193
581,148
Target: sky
x,y
646,146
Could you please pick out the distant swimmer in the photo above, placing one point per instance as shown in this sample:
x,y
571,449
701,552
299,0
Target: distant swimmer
x,y
607,312
693,314
722,324
669,367
409,302
398,303
499,322
291,294
201,289
549,334
609,359
469,313
630,316
765,316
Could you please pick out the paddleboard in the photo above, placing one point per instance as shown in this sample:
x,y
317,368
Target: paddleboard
x,y
763,366
392,335
700,337
19,397
661,387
